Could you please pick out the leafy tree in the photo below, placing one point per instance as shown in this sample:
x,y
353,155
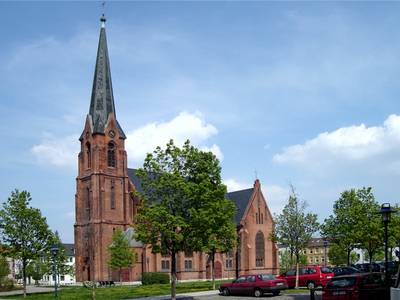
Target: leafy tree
x,y
62,265
24,230
370,228
179,186
36,269
4,269
294,227
342,228
338,255
121,255
286,261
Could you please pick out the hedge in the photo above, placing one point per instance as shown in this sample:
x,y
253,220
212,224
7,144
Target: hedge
x,y
154,278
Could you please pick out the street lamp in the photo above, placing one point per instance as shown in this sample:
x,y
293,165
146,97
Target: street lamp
x,y
54,251
325,246
238,228
386,211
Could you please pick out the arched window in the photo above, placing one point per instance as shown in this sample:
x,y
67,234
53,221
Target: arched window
x,y
260,249
88,156
112,195
88,203
111,155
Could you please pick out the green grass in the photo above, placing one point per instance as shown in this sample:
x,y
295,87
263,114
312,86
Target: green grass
x,y
121,292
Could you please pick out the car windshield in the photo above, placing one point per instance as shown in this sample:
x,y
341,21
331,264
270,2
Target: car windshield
x,y
341,282
326,270
267,277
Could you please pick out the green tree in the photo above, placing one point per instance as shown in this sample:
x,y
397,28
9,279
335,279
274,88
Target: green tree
x,y
179,186
24,230
286,261
4,269
294,228
370,229
36,269
343,227
338,255
121,255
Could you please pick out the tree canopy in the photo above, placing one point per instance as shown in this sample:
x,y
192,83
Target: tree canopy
x,y
182,192
121,255
24,230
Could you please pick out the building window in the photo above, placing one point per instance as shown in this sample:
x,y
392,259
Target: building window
x,y
188,265
62,277
70,259
229,263
88,156
262,219
111,155
87,200
260,249
165,265
112,195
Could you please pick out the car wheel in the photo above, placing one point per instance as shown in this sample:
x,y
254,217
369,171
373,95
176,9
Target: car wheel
x,y
257,293
311,285
225,292
276,293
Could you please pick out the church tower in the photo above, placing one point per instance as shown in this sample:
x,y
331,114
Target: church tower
x,y
102,200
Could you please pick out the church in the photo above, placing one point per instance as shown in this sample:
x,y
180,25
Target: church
x,y
104,203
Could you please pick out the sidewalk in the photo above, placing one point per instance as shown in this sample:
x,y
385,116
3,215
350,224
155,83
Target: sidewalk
x,y
185,296
29,290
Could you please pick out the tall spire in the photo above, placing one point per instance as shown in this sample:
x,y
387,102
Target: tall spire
x,y
102,101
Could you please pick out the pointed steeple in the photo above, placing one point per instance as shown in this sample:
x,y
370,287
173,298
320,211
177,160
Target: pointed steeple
x,y
102,101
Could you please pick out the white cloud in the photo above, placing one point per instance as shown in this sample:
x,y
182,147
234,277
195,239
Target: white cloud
x,y
185,126
60,152
235,185
348,144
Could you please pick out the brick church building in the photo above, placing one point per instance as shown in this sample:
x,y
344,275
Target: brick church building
x,y
103,203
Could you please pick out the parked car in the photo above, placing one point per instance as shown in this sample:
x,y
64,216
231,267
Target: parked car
x,y
358,286
366,267
309,276
338,271
256,285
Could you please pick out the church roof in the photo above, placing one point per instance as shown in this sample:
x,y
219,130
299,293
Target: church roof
x,y
240,198
129,235
102,100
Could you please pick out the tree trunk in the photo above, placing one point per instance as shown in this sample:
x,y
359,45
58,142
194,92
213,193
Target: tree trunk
x,y
213,269
348,256
24,275
297,271
173,275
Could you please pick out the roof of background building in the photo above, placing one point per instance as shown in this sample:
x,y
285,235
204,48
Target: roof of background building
x,y
69,249
240,198
129,234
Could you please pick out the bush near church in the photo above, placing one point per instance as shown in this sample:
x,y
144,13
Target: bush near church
x,y
154,278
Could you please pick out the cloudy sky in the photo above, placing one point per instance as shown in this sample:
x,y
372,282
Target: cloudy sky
x,y
295,92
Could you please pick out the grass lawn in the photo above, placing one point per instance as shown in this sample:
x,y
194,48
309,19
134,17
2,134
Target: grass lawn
x,y
121,292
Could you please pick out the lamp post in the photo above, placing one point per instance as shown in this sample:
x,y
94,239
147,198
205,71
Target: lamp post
x,y
238,228
325,246
386,211
54,251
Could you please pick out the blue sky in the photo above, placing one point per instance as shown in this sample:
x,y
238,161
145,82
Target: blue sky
x,y
302,92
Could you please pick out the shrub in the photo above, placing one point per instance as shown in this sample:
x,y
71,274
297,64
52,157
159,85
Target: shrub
x,y
7,284
154,278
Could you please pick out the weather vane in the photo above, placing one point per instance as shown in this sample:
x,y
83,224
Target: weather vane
x,y
103,18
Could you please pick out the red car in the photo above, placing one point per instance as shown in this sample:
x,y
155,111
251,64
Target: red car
x,y
255,285
310,276
364,286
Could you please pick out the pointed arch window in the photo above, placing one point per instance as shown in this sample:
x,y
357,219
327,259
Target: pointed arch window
x,y
260,249
88,156
112,195
111,155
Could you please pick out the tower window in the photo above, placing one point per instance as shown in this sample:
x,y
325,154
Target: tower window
x,y
88,203
111,155
112,195
88,156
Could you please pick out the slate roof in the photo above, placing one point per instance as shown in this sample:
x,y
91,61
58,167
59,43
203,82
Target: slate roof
x,y
129,234
102,100
69,249
240,198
